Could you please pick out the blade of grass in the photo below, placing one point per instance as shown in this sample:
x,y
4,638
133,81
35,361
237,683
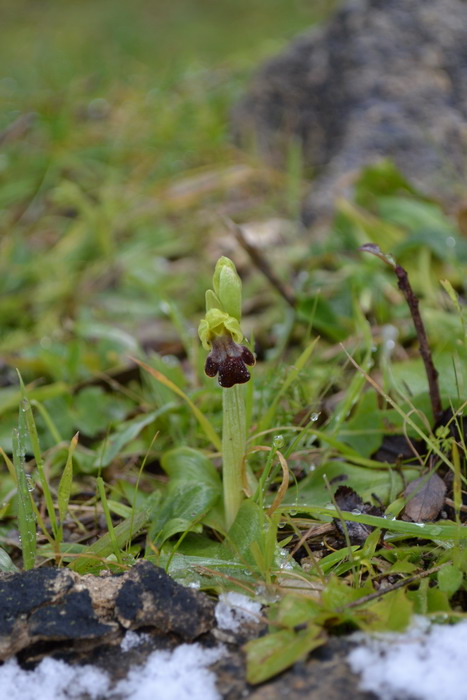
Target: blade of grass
x,y
431,443
9,464
64,487
457,483
11,400
123,533
53,430
202,420
26,520
26,410
442,531
265,422
108,518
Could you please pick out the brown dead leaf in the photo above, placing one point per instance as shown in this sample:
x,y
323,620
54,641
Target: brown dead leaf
x,y
425,498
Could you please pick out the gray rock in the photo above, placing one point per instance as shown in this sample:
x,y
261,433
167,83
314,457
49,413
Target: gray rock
x,y
50,609
384,78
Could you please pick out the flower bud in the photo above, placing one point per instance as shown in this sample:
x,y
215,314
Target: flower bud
x,y
220,331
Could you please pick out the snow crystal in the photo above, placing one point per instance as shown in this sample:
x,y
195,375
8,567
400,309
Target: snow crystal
x,y
424,663
235,608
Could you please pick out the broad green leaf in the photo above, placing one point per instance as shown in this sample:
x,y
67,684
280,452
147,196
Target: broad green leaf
x,y
208,571
269,655
94,410
190,501
403,566
319,313
191,466
295,610
366,482
174,527
436,601
246,529
450,579
337,593
380,179
370,228
6,564
364,430
194,487
415,215
125,433
410,375
120,509
392,612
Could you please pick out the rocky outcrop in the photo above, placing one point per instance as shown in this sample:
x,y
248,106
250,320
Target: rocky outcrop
x,y
383,78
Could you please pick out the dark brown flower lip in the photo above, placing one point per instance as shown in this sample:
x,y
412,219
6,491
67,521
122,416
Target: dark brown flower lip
x,y
229,359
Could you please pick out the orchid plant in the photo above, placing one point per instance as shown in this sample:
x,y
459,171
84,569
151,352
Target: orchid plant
x,y
221,335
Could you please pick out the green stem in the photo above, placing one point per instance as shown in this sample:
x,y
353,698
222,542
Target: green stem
x,y
233,449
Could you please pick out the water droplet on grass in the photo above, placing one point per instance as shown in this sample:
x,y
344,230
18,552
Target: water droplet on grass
x,y
278,442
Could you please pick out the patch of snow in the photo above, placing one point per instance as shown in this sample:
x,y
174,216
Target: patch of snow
x,y
174,675
51,679
427,662
132,640
235,608
182,674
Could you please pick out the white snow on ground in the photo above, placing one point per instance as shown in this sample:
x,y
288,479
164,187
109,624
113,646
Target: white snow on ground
x,y
235,608
178,675
51,679
427,662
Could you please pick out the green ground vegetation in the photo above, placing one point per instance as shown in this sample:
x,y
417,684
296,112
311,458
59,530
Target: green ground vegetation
x,y
117,174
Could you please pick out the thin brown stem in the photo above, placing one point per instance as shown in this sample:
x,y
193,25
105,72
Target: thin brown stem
x,y
260,261
413,303
378,594
431,372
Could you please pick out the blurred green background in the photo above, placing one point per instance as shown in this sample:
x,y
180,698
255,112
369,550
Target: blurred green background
x,y
105,107
115,162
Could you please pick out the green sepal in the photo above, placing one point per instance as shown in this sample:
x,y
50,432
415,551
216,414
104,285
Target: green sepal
x,y
228,287
212,301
